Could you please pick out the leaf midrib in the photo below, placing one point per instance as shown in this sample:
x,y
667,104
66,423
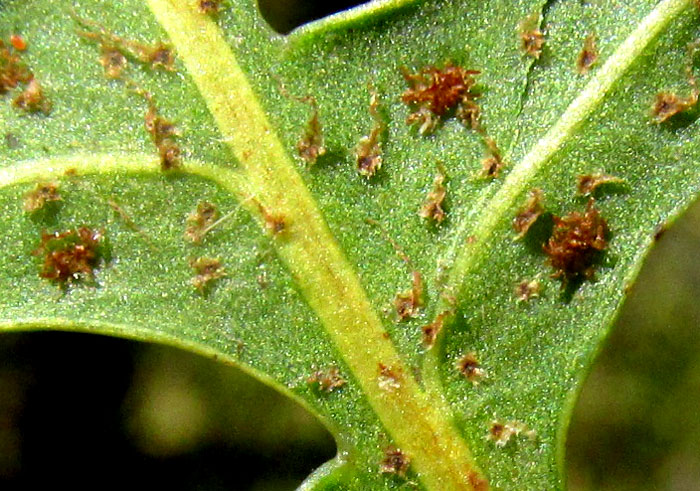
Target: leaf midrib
x,y
421,427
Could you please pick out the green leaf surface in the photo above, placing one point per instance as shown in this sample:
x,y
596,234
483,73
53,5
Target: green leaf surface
x,y
319,294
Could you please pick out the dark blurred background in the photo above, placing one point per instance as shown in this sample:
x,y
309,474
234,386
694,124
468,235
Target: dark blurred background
x,y
81,411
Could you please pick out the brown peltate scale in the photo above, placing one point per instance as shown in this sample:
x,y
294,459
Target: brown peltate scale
x,y
328,380
431,331
668,104
588,55
529,213
432,208
435,91
199,221
469,366
310,146
69,255
492,164
394,462
575,243
39,196
532,42
408,303
206,270
162,132
588,183
209,6
32,99
528,289
369,151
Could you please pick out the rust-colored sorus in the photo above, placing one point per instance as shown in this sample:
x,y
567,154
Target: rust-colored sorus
x,y
433,92
310,146
588,55
327,380
368,153
32,99
43,193
468,365
69,255
394,462
158,55
431,331
528,213
198,222
528,289
587,184
206,269
575,243
12,70
432,207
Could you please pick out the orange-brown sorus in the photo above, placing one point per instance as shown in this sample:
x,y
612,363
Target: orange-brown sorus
x,y
432,207
468,365
327,380
576,241
69,255
310,145
528,289
198,222
394,462
433,92
528,213
432,330
43,193
18,42
206,269
588,55
587,184
368,153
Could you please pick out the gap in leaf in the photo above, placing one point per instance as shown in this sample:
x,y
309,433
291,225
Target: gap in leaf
x,y
286,15
79,409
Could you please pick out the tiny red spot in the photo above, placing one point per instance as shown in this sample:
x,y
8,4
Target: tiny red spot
x,y
18,42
